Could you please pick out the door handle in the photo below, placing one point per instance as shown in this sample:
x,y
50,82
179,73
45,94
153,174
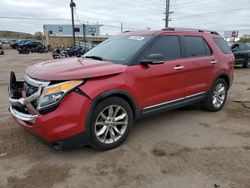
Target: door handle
x,y
179,67
214,62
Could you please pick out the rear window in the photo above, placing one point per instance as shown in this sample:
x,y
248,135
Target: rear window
x,y
195,46
221,43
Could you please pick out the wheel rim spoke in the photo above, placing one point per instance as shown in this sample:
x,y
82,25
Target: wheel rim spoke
x,y
117,110
111,111
120,123
112,134
102,131
121,117
105,136
116,130
103,116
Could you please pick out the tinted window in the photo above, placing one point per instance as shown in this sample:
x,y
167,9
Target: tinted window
x,y
195,47
221,43
168,46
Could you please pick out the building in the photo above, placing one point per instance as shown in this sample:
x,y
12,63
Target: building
x,y
61,35
66,30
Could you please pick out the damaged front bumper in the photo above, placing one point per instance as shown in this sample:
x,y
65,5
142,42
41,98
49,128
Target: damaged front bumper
x,y
24,117
65,123
17,100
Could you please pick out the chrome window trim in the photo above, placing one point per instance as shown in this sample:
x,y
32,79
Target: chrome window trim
x,y
160,104
36,83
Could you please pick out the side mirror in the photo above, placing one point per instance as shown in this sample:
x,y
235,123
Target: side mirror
x,y
153,59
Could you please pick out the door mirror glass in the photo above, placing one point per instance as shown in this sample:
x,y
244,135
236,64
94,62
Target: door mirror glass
x,y
153,59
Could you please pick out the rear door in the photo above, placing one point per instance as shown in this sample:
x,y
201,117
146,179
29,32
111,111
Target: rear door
x,y
199,64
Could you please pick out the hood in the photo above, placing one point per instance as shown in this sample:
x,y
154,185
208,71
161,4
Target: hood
x,y
73,69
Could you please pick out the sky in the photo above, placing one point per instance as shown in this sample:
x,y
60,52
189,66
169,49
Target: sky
x,y
218,15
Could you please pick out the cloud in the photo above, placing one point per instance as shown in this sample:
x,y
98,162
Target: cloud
x,y
135,14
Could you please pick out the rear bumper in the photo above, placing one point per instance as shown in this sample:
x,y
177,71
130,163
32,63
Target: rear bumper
x,y
61,125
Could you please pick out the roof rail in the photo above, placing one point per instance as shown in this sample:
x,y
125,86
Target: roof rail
x,y
190,29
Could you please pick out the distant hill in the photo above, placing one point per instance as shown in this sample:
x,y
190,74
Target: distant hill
x,y
13,34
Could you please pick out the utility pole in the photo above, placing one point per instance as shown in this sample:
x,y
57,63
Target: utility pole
x,y
167,13
84,36
121,27
72,5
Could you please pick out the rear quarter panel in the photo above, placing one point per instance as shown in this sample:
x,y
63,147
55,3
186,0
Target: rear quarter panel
x,y
225,63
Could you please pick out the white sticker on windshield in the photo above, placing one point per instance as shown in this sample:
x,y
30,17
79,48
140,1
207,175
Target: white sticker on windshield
x,y
136,38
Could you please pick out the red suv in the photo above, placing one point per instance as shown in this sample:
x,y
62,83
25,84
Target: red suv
x,y
95,99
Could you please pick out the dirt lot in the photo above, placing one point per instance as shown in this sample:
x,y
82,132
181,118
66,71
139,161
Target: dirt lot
x,y
188,147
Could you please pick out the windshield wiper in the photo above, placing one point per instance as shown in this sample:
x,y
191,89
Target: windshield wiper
x,y
94,57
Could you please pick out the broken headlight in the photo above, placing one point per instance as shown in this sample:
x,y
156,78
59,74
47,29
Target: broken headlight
x,y
52,95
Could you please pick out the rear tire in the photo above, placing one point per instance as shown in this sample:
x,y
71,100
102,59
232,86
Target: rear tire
x,y
246,65
217,96
110,124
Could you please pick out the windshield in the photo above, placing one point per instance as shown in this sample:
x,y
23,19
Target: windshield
x,y
118,49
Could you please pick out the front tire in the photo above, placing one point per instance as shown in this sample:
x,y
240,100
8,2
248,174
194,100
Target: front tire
x,y
216,97
110,123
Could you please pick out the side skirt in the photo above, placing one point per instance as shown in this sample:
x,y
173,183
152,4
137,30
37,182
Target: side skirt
x,y
173,104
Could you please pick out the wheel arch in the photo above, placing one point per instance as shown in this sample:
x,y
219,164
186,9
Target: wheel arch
x,y
225,77
117,93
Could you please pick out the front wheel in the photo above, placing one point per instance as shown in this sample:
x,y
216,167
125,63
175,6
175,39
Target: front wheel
x,y
110,123
216,97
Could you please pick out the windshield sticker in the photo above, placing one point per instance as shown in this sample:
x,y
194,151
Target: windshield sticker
x,y
139,38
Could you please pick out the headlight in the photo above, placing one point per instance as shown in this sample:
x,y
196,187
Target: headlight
x,y
53,94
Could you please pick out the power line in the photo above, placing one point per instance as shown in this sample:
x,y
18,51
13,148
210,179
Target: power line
x,y
33,18
211,13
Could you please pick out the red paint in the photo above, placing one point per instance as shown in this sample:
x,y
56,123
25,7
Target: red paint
x,y
73,69
64,122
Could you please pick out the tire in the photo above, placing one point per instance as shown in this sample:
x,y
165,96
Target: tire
x,y
102,138
246,63
210,103
26,51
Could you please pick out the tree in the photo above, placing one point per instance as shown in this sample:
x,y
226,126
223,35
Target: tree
x,y
38,35
245,38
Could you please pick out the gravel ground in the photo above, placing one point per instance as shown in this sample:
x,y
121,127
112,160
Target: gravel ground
x,y
188,147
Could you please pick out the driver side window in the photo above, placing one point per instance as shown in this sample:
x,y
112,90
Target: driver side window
x,y
168,46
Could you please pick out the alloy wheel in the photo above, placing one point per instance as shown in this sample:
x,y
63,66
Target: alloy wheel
x,y
219,95
111,124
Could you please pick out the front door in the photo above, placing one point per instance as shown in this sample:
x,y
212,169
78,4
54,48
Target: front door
x,y
162,83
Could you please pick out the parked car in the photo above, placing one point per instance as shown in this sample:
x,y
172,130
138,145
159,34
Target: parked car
x,y
18,42
31,46
1,49
242,54
5,41
95,99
